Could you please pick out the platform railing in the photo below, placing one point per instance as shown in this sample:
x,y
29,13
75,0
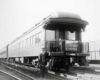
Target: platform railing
x,y
66,45
54,46
94,55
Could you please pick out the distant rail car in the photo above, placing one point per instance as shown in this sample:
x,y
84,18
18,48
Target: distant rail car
x,y
94,51
58,35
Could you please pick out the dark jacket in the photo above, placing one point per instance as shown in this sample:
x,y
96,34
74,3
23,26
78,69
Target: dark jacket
x,y
42,59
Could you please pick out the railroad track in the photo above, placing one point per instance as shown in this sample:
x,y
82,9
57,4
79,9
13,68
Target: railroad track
x,y
6,76
24,76
86,73
21,69
77,73
20,74
83,73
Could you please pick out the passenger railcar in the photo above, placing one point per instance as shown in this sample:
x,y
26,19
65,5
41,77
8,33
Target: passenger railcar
x,y
59,35
94,51
4,54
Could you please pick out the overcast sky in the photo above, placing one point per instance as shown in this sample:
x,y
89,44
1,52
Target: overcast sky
x,y
18,16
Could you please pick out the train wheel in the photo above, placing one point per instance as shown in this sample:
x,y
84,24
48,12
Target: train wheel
x,y
67,67
67,64
82,61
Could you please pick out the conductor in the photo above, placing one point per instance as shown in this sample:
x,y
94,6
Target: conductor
x,y
42,63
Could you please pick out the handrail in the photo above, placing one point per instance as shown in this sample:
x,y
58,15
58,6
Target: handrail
x,y
94,57
61,40
59,44
95,51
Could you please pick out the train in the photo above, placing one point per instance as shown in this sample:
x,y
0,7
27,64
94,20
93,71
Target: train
x,y
58,36
94,52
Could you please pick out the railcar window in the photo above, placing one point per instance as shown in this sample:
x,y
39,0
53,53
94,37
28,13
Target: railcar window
x,y
17,46
33,42
31,39
20,45
39,37
28,42
14,47
61,35
24,44
50,35
42,36
71,35
36,38
11,48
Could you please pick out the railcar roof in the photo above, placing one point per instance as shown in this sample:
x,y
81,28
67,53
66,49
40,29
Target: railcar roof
x,y
63,15
65,23
66,20
56,17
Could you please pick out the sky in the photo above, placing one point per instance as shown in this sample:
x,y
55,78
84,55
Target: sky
x,y
18,16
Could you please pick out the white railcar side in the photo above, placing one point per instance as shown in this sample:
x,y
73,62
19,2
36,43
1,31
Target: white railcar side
x,y
3,53
29,44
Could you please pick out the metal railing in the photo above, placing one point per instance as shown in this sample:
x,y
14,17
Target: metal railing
x,y
66,45
54,46
94,55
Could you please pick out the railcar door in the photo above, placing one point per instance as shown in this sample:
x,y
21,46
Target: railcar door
x,y
60,34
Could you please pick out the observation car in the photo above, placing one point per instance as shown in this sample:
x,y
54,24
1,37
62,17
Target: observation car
x,y
59,35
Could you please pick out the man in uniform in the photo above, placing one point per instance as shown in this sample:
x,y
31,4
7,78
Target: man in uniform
x,y
42,63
